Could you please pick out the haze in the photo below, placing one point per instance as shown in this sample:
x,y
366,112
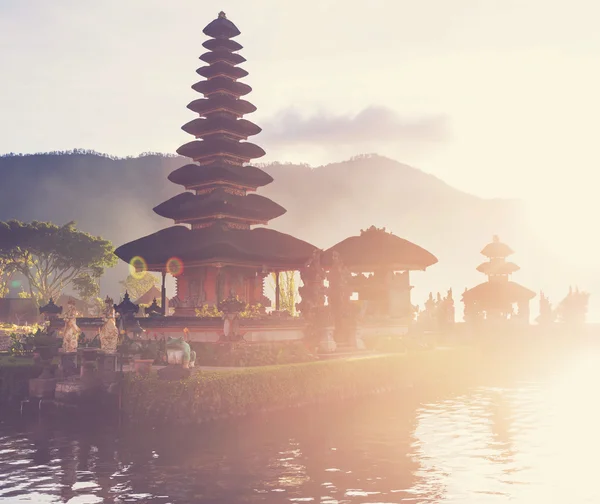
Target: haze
x,y
498,99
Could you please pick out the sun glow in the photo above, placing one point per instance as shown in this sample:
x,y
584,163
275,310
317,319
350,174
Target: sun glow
x,y
138,267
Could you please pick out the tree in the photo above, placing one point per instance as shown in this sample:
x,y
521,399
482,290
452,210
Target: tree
x,y
288,294
138,284
5,277
53,258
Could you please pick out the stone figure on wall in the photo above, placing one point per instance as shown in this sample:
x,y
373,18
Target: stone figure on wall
x,y
109,334
339,293
71,331
573,308
313,291
547,314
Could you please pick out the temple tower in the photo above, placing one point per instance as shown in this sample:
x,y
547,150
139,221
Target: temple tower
x,y
222,252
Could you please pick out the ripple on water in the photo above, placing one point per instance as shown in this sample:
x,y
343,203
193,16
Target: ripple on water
x,y
527,442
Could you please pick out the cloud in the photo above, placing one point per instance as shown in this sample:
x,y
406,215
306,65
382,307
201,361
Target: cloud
x,y
372,125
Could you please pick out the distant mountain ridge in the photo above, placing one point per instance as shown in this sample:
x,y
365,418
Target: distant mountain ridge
x,y
113,197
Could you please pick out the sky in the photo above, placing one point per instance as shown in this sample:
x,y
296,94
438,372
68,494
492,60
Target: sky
x,y
497,98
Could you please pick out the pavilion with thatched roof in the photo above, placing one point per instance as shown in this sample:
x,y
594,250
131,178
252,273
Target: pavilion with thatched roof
x,y
381,262
495,299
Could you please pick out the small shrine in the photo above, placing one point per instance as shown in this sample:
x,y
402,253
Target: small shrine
x,y
380,263
217,246
573,308
497,298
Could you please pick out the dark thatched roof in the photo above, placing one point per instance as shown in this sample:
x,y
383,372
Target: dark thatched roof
x,y
221,28
192,175
212,57
217,44
222,69
222,84
147,298
498,294
259,246
204,106
241,127
203,148
187,206
376,248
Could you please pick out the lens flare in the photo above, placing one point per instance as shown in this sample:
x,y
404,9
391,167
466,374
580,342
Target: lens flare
x,y
175,266
138,267
15,284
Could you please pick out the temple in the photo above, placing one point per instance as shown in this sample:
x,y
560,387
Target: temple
x,y
380,264
215,249
495,299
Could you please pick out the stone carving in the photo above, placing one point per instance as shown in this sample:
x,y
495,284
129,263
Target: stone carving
x,y
313,291
547,314
312,307
179,351
109,334
573,308
339,293
127,309
51,311
231,308
154,310
71,331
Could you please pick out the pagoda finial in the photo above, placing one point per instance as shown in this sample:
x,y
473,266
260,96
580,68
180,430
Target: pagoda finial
x,y
222,15
496,239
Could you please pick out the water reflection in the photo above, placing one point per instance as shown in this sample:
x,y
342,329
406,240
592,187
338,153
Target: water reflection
x,y
525,442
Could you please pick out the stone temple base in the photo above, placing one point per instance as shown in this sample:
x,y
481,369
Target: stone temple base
x,y
74,390
42,388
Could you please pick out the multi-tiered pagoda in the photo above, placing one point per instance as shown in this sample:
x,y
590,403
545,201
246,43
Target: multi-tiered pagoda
x,y
221,252
495,299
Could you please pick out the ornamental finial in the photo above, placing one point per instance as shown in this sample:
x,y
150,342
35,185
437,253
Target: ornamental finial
x,y
222,15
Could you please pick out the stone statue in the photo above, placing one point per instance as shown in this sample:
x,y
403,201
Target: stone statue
x,y
313,291
339,293
231,309
179,351
71,331
109,334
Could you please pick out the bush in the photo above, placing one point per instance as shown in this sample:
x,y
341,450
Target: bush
x,y
15,375
243,354
209,395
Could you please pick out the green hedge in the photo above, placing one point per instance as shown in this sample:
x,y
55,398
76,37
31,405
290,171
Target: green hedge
x,y
211,395
15,373
250,354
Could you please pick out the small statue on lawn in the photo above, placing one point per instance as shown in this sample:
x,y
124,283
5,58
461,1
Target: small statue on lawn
x,y
109,334
71,331
179,351
231,309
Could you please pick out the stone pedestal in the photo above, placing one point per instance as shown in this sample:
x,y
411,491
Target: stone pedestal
x,y
107,366
42,388
327,343
68,364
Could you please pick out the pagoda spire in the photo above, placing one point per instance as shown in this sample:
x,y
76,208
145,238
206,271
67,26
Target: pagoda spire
x,y
219,175
497,268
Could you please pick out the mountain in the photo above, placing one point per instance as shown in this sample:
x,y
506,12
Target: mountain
x,y
114,197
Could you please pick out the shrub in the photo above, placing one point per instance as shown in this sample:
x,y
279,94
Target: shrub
x,y
250,354
209,395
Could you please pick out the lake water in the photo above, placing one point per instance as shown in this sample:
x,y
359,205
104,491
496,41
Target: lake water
x,y
524,440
